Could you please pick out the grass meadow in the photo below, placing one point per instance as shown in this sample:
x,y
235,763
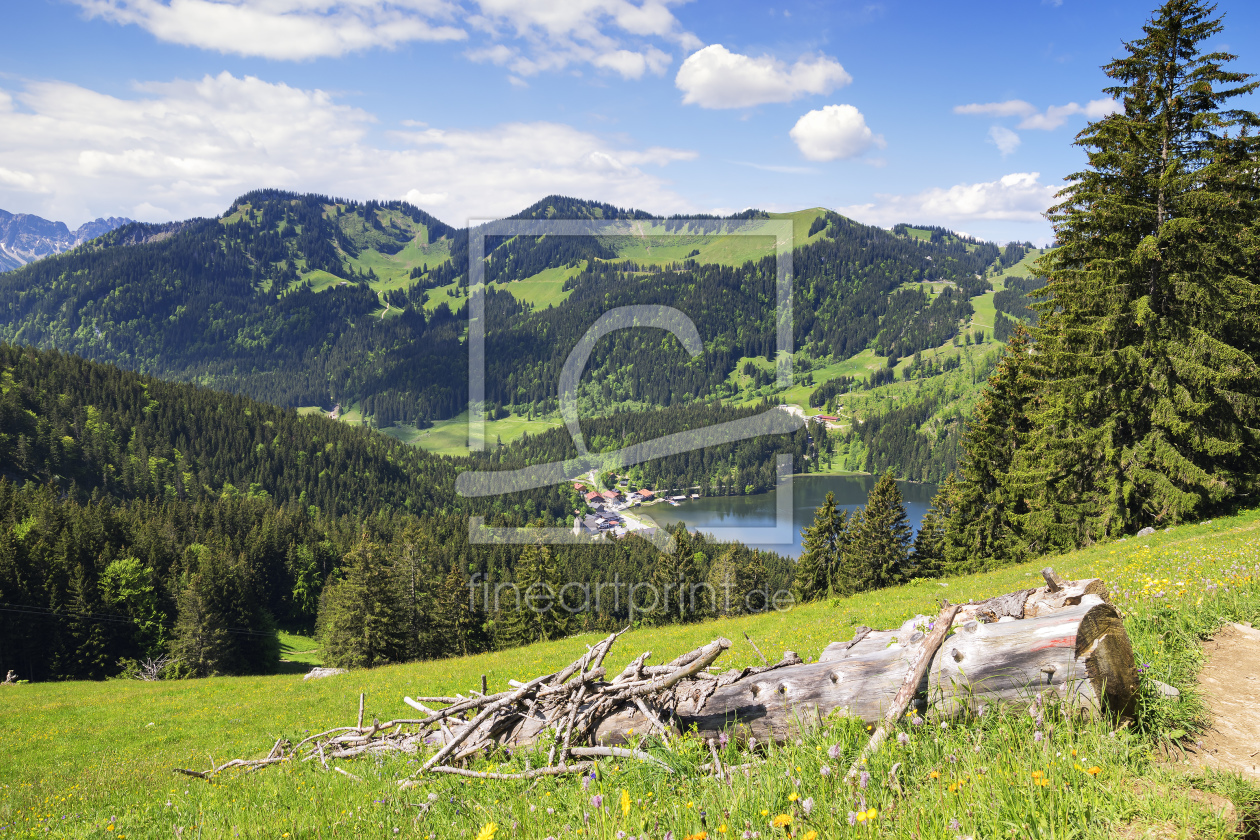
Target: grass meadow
x,y
86,759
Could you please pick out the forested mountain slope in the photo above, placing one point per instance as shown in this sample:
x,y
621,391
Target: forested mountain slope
x,y
140,517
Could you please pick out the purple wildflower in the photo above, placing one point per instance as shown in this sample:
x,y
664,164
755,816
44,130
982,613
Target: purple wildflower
x,y
852,818
597,801
834,751
807,805
825,770
723,740
917,721
953,824
586,783
903,739
1037,736
864,780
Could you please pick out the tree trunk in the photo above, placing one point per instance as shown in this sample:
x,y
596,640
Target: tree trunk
x,y
1077,654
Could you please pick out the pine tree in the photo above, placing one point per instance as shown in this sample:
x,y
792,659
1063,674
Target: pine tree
x,y
982,527
537,615
927,557
881,538
362,622
457,622
1147,345
823,547
724,581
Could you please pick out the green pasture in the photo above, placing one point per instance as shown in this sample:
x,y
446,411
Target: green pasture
x,y
545,288
450,437
85,759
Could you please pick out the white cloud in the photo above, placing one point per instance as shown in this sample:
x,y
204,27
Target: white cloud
x,y
1006,140
1053,117
1009,108
184,148
545,35
1056,115
833,132
284,29
1018,197
715,77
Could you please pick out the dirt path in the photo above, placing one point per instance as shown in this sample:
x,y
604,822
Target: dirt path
x,y
1230,682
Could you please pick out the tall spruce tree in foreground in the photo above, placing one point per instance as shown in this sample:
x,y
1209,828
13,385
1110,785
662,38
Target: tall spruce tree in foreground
x,y
880,545
1147,347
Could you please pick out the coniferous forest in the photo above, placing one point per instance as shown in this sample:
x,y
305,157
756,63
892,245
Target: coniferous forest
x,y
143,518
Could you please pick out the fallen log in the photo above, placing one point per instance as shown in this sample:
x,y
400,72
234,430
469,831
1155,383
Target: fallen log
x,y
909,687
1062,640
1079,655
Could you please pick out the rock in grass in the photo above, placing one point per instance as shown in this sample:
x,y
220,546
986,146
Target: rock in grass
x,y
1165,690
1146,532
320,673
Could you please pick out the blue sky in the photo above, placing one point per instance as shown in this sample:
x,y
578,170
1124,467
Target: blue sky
x,y
953,114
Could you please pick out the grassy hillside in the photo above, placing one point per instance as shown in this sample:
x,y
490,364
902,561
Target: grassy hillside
x,y
95,759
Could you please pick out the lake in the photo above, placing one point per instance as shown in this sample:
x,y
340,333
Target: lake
x,y
749,518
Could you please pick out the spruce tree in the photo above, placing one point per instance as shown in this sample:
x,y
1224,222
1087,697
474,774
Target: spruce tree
x,y
927,557
982,529
536,614
1147,345
823,546
362,620
723,579
457,621
881,538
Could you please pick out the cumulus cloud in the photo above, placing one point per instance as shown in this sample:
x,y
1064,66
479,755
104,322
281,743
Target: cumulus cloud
x,y
1006,140
541,35
184,148
1009,108
1033,118
834,132
1056,115
715,77
1018,197
284,29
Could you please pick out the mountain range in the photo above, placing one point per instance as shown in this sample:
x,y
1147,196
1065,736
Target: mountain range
x,y
307,300
25,238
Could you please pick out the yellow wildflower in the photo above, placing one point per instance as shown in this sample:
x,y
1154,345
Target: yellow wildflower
x,y
782,821
812,835
625,802
487,831
872,814
1094,771
793,796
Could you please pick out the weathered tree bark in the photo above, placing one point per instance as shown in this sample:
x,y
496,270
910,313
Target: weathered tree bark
x,y
1078,654
909,686
783,700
